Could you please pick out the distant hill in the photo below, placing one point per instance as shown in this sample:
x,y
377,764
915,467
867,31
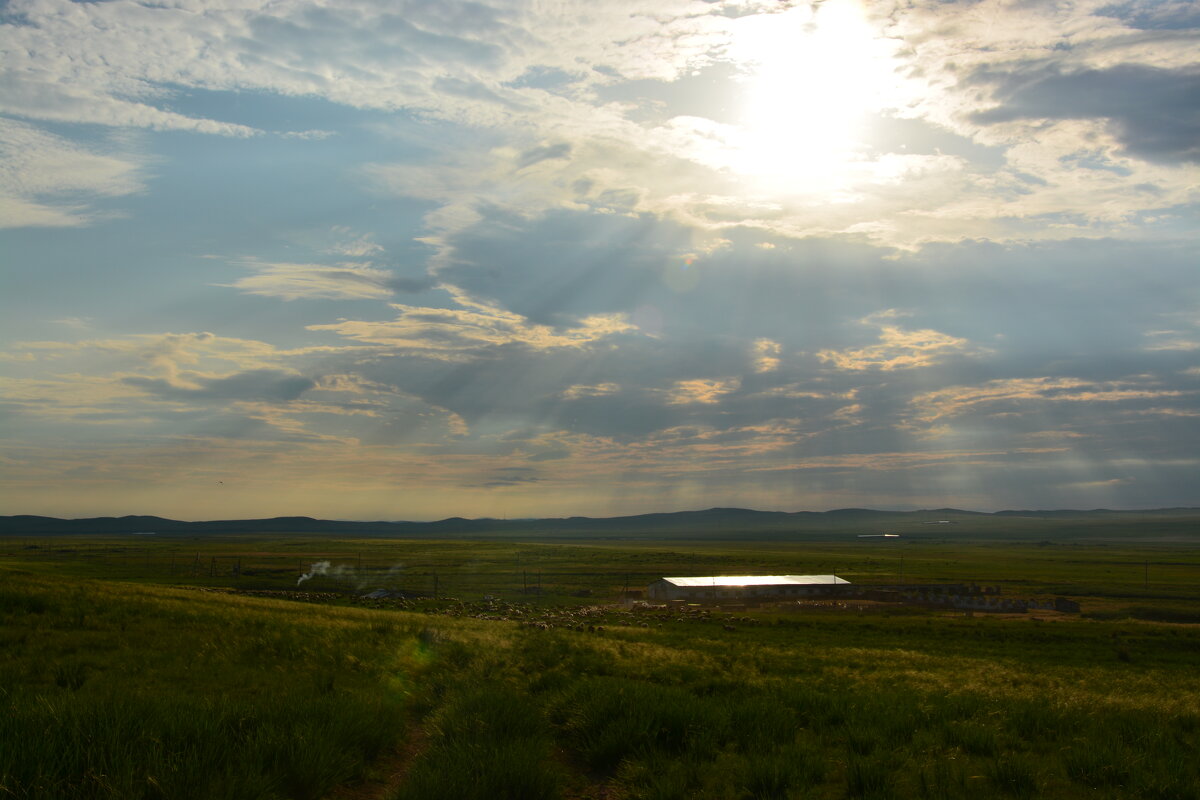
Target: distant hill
x,y
715,523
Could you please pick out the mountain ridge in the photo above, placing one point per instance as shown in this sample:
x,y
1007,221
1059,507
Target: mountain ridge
x,y
703,519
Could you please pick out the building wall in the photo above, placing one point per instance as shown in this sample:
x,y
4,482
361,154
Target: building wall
x,y
662,590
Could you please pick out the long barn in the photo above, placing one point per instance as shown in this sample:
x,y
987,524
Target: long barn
x,y
730,587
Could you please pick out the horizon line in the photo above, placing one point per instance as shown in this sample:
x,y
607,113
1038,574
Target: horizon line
x,y
941,510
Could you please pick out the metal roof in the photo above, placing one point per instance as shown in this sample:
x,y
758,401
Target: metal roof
x,y
756,580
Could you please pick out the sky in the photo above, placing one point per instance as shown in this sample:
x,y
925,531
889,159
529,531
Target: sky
x,y
377,259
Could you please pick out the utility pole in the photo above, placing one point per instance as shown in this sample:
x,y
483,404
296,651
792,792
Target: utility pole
x,y
1146,577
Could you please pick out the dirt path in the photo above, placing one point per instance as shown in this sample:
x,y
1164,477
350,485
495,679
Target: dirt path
x,y
582,783
388,771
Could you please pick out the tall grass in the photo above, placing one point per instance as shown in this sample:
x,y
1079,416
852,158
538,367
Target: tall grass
x,y
626,721
139,746
487,743
110,691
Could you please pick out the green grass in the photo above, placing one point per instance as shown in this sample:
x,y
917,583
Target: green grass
x,y
149,746
115,681
488,743
111,691
620,707
1120,571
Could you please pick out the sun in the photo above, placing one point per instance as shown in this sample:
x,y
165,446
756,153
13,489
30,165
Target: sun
x,y
815,76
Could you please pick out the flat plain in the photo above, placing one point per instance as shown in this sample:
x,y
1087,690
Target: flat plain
x,y
514,666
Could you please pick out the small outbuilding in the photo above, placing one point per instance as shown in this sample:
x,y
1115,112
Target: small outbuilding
x,y
716,588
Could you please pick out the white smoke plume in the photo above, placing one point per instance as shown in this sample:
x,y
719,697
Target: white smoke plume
x,y
318,568
373,579
347,573
390,578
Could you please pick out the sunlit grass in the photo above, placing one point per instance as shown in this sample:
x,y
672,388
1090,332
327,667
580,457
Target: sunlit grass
x,y
646,728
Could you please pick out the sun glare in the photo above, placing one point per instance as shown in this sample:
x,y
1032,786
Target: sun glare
x,y
816,75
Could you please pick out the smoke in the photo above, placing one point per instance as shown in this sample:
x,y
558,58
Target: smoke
x,y
347,574
319,568
374,580
390,578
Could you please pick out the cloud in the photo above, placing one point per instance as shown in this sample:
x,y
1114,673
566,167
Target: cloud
x,y
472,328
45,99
48,181
1172,340
1015,394
574,99
1155,14
510,476
897,348
701,390
176,358
1099,484
557,266
111,63
118,63
1154,113
1183,335
599,390
536,155
318,281
766,355
354,245
621,289
268,385
78,323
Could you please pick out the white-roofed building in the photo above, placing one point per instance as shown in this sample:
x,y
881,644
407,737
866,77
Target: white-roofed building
x,y
730,587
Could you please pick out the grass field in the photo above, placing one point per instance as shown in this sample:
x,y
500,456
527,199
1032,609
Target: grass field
x,y
173,667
